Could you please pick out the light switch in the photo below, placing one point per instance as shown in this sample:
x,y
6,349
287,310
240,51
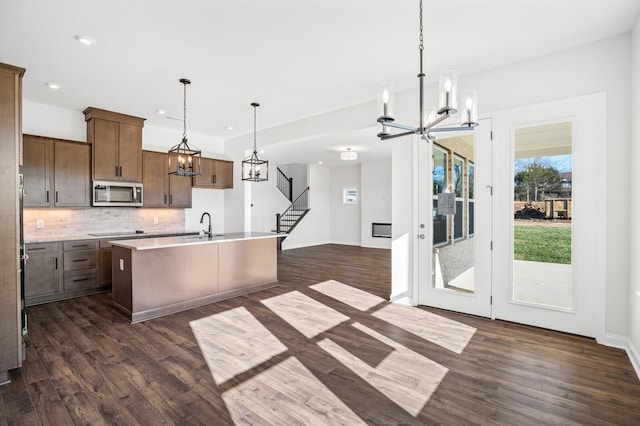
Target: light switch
x,y
155,220
39,223
122,264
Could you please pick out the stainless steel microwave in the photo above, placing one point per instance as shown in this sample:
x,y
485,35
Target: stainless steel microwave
x,y
117,194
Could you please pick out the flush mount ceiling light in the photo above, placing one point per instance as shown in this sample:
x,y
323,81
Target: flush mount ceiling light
x,y
184,159
348,155
86,40
254,168
53,86
448,106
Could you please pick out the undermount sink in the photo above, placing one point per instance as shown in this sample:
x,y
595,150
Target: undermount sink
x,y
200,237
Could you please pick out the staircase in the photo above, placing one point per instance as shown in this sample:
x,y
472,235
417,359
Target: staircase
x,y
285,184
289,219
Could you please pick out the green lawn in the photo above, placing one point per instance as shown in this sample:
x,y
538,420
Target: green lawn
x,y
542,244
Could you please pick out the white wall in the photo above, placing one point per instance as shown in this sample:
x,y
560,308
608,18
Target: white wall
x,y
403,211
314,228
266,201
345,218
299,174
375,183
604,66
44,120
634,201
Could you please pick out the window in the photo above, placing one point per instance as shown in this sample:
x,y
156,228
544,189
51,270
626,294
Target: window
x,y
458,186
471,189
350,196
440,160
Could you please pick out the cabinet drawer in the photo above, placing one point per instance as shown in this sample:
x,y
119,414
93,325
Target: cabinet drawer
x,y
35,248
79,280
79,260
80,245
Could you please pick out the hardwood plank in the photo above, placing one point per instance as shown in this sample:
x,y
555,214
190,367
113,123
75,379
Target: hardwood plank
x,y
365,362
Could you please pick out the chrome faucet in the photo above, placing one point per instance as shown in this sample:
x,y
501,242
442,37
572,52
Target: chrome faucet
x,y
209,232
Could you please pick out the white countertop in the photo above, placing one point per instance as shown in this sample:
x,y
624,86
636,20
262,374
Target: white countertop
x,y
166,242
115,234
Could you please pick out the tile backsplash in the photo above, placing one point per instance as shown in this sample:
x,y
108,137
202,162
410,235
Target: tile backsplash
x,y
67,222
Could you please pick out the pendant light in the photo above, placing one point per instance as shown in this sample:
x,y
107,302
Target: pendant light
x,y
448,105
184,159
254,168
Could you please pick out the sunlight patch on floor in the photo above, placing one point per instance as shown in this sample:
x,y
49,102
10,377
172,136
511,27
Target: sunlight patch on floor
x,y
449,334
287,394
404,376
304,314
233,342
354,297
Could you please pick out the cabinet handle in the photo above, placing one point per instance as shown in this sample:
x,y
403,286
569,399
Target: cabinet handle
x,y
214,179
116,171
56,263
80,260
165,198
36,248
81,245
47,195
171,199
120,171
80,279
56,196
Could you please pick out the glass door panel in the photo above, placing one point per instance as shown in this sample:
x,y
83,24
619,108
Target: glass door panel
x,y
453,244
455,206
542,206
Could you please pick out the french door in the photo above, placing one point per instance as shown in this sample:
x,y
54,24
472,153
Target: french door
x,y
454,229
548,215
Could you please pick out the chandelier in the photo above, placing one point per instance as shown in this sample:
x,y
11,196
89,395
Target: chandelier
x,y
448,106
254,168
184,159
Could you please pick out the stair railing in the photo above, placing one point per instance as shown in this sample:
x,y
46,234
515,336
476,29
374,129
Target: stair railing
x,y
285,184
300,204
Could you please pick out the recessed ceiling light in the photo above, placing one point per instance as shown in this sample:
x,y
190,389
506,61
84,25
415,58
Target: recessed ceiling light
x,y
86,40
161,111
53,86
229,127
319,162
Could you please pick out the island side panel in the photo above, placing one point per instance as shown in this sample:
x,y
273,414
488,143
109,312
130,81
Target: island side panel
x,y
247,263
167,277
121,279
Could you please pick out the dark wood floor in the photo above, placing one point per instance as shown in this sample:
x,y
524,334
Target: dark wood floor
x,y
86,365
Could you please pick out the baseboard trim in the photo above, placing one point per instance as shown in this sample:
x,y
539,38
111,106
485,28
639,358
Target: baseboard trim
x,y
623,342
634,357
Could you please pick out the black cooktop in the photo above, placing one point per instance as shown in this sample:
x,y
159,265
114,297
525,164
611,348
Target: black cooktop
x,y
108,234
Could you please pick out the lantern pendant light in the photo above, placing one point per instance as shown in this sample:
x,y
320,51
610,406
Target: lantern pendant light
x,y
254,168
184,159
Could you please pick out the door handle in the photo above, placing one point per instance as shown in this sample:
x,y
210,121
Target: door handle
x,y
421,236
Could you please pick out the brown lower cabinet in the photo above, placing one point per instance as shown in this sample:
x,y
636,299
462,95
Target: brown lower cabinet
x,y
60,270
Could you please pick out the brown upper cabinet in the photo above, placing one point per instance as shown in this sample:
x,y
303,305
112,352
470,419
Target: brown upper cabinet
x,y
160,188
56,172
215,174
117,145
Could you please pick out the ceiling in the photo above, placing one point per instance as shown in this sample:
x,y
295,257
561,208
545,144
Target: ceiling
x,y
297,58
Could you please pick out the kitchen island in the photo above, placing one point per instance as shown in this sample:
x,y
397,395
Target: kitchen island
x,y
160,276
